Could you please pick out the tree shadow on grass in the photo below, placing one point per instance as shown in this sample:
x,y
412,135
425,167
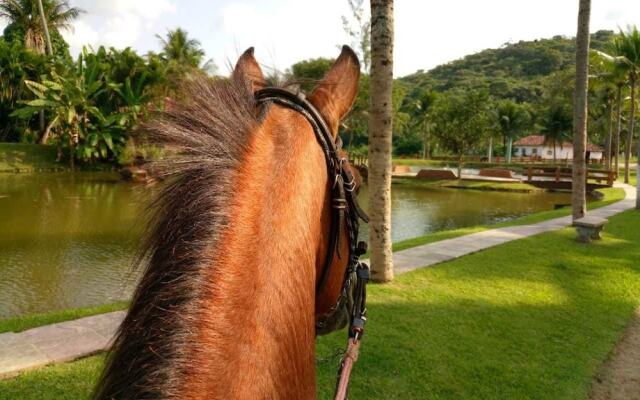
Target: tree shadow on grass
x,y
532,319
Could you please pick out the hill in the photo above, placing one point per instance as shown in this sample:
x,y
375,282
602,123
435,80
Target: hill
x,y
515,70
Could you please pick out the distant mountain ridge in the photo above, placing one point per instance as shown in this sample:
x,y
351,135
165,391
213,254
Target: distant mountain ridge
x,y
515,70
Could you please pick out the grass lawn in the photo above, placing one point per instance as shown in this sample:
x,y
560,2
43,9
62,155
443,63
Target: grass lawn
x,y
418,162
530,319
23,323
633,176
468,184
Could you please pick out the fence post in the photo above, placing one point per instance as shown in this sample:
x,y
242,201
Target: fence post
x,y
529,173
610,178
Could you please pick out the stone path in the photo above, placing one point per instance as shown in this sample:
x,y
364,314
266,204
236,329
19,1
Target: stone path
x,y
64,341
445,250
70,340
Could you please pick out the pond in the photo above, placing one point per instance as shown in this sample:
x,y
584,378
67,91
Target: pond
x,y
67,240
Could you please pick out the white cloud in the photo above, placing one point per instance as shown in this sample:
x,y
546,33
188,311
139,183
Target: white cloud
x,y
117,23
427,32
81,35
283,33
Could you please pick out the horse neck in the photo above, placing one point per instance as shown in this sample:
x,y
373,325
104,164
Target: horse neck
x,y
256,336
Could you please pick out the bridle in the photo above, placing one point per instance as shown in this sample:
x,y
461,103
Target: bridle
x,y
351,304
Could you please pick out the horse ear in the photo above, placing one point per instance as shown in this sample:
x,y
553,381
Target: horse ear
x,y
248,70
337,91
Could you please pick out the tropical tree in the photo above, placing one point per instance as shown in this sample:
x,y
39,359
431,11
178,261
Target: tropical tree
x,y
91,115
380,138
308,73
579,183
556,125
611,71
627,46
419,107
463,120
25,22
17,65
358,27
178,48
512,120
624,56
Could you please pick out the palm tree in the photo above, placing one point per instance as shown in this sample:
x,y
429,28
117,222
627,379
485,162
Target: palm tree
x,y
628,48
180,49
512,118
626,53
420,111
380,133
613,71
556,122
25,19
578,185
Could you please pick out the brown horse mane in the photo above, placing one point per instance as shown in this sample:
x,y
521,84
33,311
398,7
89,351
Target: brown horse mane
x,y
211,132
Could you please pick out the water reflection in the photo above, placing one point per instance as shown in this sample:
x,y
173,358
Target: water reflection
x,y
67,240
416,211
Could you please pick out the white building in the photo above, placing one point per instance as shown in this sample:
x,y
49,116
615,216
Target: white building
x,y
534,146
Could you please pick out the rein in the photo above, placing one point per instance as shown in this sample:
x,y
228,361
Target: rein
x,y
351,304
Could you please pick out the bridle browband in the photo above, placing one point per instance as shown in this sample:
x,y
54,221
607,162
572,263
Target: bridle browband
x,y
351,305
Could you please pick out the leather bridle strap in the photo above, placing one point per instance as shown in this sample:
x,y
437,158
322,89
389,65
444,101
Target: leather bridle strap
x,y
341,200
346,213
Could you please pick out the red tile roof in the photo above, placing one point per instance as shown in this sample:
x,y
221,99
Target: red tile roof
x,y
594,147
538,140
531,140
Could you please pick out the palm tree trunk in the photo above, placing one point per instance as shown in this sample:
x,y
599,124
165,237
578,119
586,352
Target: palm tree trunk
x,y
579,183
555,145
609,135
509,149
47,132
460,156
618,126
490,150
380,132
45,28
42,123
632,111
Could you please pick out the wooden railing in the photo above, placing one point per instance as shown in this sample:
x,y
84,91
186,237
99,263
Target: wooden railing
x,y
565,174
358,160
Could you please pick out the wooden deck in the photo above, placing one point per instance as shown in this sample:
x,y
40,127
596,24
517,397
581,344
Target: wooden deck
x,y
562,177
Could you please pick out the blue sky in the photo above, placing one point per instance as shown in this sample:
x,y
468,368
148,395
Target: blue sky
x,y
428,32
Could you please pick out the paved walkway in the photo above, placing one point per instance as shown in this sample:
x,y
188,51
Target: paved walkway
x,y
70,340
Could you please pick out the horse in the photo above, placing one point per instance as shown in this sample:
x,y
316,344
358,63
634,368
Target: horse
x,y
230,301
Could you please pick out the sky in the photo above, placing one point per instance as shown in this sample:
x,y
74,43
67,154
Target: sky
x,y
427,32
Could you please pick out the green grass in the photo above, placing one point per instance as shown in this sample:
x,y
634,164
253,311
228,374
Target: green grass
x,y
609,196
530,319
72,381
633,176
18,157
468,184
23,323
471,164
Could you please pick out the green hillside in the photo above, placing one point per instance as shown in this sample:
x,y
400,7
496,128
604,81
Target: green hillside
x,y
515,70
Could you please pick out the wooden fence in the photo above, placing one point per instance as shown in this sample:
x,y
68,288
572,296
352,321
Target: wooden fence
x,y
558,174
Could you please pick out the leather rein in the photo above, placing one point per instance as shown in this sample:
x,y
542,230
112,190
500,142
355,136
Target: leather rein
x,y
350,307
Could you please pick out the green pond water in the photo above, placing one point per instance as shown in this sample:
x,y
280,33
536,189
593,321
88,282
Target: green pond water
x,y
67,240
